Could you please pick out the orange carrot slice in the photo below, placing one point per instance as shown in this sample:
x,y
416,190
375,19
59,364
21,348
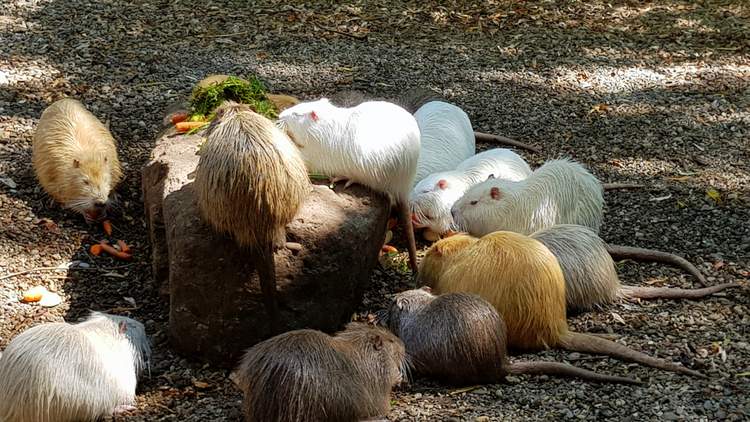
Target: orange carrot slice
x,y
183,127
106,247
96,250
123,246
107,225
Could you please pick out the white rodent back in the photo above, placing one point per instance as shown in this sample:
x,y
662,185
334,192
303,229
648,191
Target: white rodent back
x,y
559,192
446,138
375,143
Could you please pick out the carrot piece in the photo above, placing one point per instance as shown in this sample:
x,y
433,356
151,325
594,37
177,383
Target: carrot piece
x,y
123,246
183,127
106,247
34,294
107,225
96,250
178,117
389,249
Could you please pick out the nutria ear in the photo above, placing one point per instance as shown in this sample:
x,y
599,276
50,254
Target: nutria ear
x,y
314,116
437,250
495,192
76,163
376,341
123,327
426,289
490,177
442,183
400,302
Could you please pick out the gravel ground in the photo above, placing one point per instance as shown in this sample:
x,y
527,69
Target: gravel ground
x,y
650,92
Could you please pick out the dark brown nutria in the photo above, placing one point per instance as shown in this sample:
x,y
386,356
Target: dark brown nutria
x,y
307,375
460,338
249,183
522,279
590,274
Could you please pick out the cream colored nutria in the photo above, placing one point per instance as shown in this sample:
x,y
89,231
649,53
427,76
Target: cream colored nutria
x,y
75,158
59,372
523,281
590,274
307,375
558,192
249,183
460,338
375,144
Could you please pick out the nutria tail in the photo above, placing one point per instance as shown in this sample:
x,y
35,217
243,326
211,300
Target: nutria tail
x,y
638,292
565,370
404,211
646,255
502,140
267,278
579,342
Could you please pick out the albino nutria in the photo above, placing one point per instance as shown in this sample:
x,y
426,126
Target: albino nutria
x,y
307,375
375,144
249,183
523,281
590,275
59,372
559,192
75,158
433,197
460,338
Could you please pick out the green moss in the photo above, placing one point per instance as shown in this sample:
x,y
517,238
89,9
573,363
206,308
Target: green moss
x,y
204,100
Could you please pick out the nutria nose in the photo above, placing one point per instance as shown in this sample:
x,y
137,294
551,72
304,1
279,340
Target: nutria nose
x,y
100,206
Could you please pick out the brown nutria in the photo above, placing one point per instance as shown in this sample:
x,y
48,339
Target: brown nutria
x,y
460,338
59,372
307,375
249,183
75,158
523,281
590,274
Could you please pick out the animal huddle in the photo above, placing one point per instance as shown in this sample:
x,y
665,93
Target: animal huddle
x,y
527,251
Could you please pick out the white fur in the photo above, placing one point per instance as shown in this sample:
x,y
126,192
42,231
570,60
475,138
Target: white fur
x,y
447,137
431,205
559,192
375,144
60,372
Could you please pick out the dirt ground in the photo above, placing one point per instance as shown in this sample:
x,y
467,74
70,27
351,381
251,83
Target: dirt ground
x,y
656,93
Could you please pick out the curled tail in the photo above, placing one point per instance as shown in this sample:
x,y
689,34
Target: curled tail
x,y
502,140
565,370
404,214
638,292
267,277
579,342
640,254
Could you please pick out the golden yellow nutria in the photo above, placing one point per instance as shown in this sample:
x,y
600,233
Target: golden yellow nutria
x,y
75,158
523,281
249,183
429,274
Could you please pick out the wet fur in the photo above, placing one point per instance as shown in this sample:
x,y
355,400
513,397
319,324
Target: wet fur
x,y
559,192
430,200
75,157
59,372
307,375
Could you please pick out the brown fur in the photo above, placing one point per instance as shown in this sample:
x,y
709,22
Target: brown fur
x,y
75,157
250,182
523,281
460,337
306,375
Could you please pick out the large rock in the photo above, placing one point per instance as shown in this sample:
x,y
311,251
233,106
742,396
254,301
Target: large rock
x,y
216,308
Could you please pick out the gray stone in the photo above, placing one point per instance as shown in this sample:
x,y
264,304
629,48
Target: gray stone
x,y
216,307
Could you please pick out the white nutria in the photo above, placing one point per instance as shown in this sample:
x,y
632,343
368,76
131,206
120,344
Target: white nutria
x,y
375,144
446,138
60,372
75,158
590,275
433,197
559,192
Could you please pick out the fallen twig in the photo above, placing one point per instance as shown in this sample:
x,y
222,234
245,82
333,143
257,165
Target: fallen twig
x,y
612,186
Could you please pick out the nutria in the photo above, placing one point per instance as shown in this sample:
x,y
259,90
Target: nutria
x,y
59,372
590,274
75,158
523,281
375,144
249,183
460,338
307,375
433,197
558,192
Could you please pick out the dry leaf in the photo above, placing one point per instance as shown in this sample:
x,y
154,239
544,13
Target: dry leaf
x,y
718,264
599,108
201,384
661,198
618,318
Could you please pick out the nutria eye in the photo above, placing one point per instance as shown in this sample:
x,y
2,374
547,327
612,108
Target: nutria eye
x,y
86,182
429,217
473,202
